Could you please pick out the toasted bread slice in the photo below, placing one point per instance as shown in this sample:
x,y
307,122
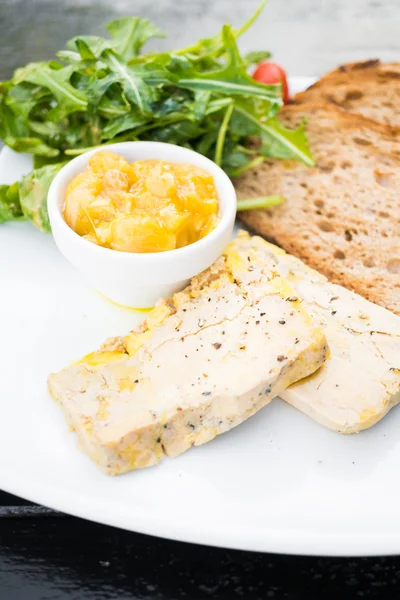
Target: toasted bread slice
x,y
360,381
342,217
370,88
203,362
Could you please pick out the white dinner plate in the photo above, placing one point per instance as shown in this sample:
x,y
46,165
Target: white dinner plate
x,y
277,483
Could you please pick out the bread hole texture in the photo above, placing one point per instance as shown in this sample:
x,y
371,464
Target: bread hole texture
x,y
393,266
325,226
383,179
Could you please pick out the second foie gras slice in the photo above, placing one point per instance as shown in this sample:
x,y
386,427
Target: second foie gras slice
x,y
360,382
204,361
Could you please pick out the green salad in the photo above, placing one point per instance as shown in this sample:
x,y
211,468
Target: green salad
x,y
105,90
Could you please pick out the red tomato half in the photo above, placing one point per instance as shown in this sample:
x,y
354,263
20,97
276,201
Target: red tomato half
x,y
269,72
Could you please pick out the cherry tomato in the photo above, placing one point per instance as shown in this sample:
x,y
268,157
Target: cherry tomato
x,y
269,72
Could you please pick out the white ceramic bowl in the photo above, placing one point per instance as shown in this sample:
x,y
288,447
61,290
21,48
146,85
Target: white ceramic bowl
x,y
135,279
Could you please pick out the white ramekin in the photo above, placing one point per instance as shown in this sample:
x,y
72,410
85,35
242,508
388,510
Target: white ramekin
x,y
135,279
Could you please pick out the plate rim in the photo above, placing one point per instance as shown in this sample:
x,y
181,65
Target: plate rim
x,y
262,539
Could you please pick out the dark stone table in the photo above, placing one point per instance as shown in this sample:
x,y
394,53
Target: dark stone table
x,y
50,556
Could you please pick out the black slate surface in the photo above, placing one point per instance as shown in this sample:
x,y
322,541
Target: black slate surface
x,y
50,556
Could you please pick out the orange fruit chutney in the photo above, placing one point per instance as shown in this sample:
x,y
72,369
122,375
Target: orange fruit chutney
x,y
145,206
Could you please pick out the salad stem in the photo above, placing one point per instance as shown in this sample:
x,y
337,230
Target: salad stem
x,y
250,22
260,202
219,148
256,162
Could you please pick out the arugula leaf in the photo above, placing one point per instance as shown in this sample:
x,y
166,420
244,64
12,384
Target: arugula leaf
x,y
41,161
28,198
22,98
129,34
277,140
89,47
113,107
10,124
201,103
6,213
32,145
122,123
33,190
216,105
99,86
58,82
173,102
253,58
70,56
176,133
10,208
132,82
206,143
46,129
280,142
